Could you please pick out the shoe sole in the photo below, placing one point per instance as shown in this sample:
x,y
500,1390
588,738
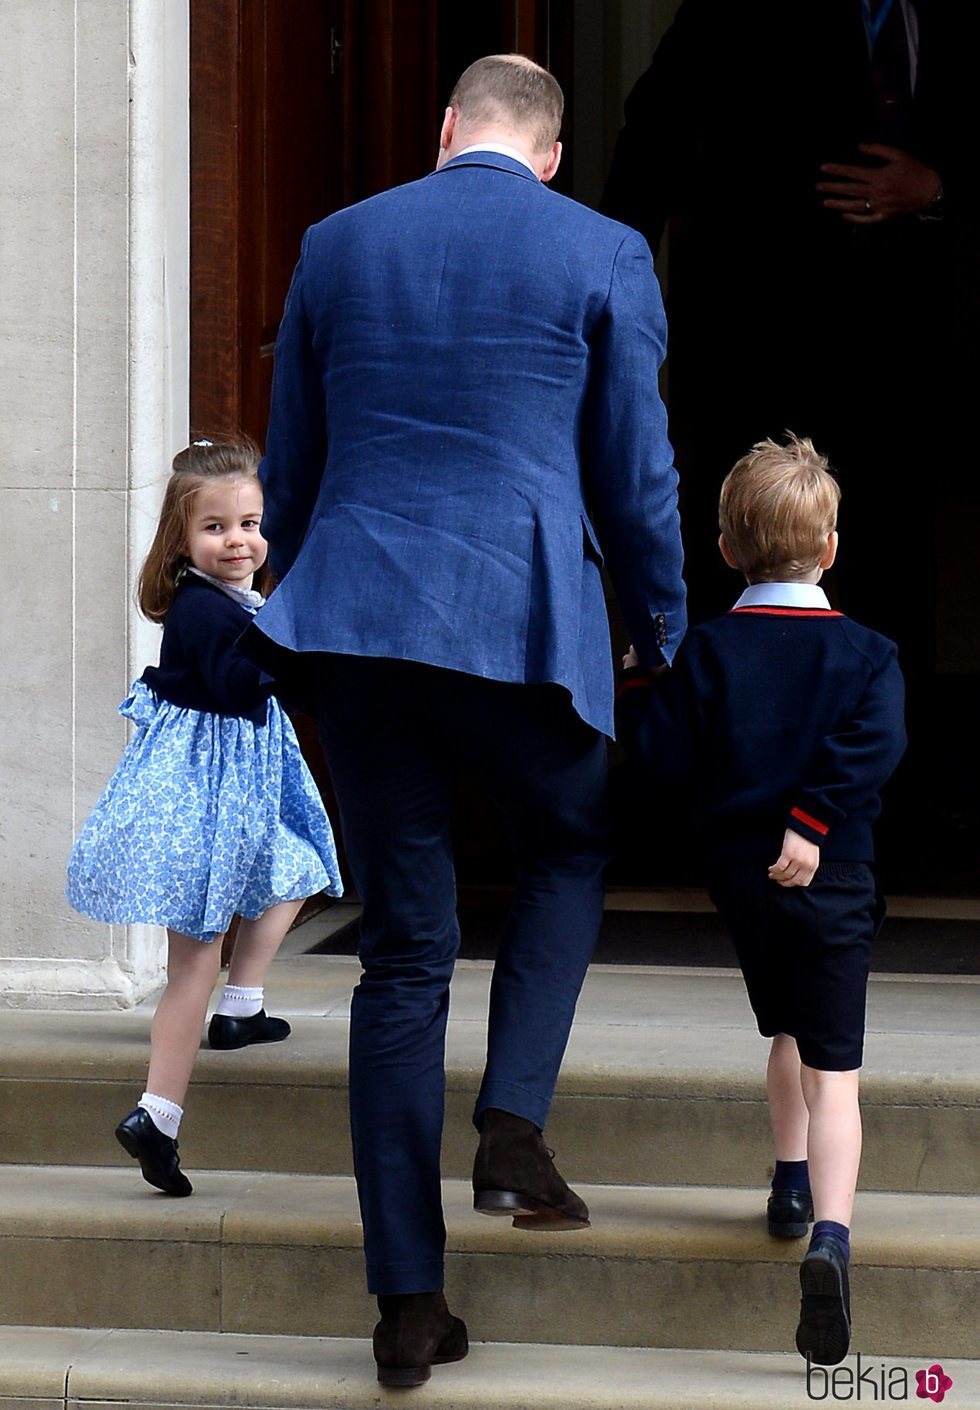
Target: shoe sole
x,y
526,1213
131,1147
407,1376
824,1333
245,1043
788,1231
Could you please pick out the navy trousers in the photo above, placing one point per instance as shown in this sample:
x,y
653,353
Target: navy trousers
x,y
394,733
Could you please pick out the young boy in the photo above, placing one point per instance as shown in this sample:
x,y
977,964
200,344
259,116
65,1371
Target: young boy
x,y
782,720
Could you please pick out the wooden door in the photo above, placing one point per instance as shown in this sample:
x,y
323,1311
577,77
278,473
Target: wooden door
x,y
298,108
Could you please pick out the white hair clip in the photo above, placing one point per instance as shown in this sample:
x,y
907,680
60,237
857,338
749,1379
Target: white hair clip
x,y
202,443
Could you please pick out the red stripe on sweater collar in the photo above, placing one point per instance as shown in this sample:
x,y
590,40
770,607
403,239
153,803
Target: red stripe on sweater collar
x,y
785,612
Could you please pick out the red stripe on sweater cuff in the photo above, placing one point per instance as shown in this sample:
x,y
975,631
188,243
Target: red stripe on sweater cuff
x,y
802,817
633,683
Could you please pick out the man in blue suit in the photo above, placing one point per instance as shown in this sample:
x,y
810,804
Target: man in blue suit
x,y
464,408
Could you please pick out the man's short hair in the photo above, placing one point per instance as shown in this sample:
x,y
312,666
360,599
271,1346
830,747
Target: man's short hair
x,y
778,504
514,92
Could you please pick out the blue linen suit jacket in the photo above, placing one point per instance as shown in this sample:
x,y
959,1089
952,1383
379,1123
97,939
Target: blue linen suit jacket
x,y
465,382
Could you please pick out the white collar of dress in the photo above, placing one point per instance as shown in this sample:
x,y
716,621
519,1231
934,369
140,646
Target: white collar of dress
x,y
247,597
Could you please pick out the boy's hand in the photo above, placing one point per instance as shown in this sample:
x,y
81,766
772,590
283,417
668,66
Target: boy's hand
x,y
798,861
631,659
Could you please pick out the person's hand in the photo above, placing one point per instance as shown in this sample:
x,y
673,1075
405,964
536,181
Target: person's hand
x,y
797,862
869,195
631,659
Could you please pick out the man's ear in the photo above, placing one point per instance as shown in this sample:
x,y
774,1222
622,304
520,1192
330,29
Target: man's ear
x,y
551,165
448,128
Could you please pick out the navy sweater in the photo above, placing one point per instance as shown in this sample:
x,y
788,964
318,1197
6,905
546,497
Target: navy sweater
x,y
201,666
774,717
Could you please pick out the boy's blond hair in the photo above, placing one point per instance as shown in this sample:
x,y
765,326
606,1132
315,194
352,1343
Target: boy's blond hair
x,y
778,504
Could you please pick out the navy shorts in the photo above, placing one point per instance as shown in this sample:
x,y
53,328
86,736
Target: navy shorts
x,y
805,953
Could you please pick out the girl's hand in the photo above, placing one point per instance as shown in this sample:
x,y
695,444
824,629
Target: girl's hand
x,y
630,659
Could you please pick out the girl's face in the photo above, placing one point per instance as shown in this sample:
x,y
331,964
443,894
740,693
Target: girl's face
x,y
223,534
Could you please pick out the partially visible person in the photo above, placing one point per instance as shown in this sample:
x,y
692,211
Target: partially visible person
x,y
782,720
813,167
212,811
464,408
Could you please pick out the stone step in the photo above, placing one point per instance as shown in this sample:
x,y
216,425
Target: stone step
x,y
49,1367
682,1267
662,1083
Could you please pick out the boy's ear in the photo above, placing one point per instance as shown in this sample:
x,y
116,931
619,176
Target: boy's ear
x,y
726,552
830,552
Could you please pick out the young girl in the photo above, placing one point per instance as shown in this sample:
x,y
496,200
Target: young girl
x,y
212,810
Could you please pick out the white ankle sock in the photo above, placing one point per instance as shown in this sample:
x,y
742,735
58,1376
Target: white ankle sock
x,y
164,1115
237,1001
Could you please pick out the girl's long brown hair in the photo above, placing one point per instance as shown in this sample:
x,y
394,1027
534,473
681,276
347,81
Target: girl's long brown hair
x,y
233,458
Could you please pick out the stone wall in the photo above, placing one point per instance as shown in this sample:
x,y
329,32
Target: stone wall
x,y
93,403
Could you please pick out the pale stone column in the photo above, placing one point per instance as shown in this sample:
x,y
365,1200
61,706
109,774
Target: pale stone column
x,y
93,404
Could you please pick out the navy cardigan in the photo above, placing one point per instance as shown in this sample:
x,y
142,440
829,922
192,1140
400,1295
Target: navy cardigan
x,y
773,718
201,665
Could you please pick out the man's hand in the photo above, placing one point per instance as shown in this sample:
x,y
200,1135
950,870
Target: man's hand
x,y
798,861
868,195
631,659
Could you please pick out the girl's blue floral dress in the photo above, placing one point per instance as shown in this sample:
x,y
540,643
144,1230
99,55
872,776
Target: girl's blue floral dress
x,y
206,815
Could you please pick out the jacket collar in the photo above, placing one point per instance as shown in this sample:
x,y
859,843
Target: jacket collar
x,y
483,157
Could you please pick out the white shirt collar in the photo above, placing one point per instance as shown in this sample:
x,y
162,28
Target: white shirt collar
x,y
809,595
502,151
248,597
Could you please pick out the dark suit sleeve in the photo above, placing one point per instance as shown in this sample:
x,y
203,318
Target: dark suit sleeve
x,y
856,760
631,482
296,444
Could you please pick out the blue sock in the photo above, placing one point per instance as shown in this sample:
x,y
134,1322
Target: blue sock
x,y
826,1228
791,1175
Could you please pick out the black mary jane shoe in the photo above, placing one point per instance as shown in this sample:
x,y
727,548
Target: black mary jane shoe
x,y
226,1032
156,1153
789,1213
416,1332
824,1333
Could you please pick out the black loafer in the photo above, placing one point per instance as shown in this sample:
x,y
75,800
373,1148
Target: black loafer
x,y
156,1153
790,1213
824,1333
225,1032
416,1332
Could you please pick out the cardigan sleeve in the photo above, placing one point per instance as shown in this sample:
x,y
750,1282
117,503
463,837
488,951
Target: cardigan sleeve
x,y
210,627
856,760
660,721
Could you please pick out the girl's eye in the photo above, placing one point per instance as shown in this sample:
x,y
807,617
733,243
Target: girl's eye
x,y
250,523
209,527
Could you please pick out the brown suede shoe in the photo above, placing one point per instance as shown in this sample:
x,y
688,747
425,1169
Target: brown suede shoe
x,y
514,1173
416,1332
